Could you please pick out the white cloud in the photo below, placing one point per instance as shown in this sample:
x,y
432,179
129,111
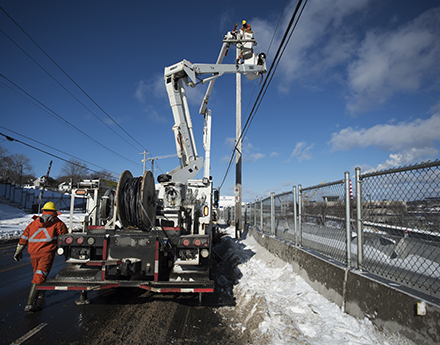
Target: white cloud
x,y
321,40
403,158
225,159
253,157
248,150
326,45
154,116
417,134
230,143
302,151
394,61
274,154
155,87
288,184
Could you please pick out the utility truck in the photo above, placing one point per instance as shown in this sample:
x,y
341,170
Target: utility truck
x,y
156,236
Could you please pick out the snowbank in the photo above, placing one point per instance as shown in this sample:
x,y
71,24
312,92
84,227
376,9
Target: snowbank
x,y
273,305
14,220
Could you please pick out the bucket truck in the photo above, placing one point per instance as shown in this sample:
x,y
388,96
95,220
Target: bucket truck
x,y
156,237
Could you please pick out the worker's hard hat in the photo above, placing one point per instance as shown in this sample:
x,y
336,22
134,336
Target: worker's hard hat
x,y
243,22
49,206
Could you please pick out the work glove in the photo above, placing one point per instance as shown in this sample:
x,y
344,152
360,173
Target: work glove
x,y
19,252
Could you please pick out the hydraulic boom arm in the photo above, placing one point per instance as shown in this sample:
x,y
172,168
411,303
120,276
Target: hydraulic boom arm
x,y
189,74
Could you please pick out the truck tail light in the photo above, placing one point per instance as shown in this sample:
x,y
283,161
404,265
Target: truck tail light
x,y
68,240
197,242
185,242
80,240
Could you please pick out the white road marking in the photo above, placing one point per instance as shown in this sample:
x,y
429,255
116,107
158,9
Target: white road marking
x,y
29,334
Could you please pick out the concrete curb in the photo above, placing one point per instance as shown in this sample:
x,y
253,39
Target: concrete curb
x,y
361,294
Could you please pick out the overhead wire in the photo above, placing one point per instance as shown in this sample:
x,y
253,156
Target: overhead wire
x,y
282,46
45,152
53,148
65,121
70,93
70,78
268,52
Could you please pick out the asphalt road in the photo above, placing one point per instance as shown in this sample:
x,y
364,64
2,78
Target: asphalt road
x,y
116,316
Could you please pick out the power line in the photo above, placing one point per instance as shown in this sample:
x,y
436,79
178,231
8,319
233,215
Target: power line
x,y
68,76
53,148
71,94
48,153
283,44
65,121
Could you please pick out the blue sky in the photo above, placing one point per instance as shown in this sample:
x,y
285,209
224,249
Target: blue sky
x,y
358,86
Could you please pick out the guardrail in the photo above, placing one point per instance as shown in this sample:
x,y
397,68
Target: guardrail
x,y
389,226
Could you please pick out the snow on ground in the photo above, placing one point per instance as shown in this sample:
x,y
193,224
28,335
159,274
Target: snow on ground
x,y
14,220
274,305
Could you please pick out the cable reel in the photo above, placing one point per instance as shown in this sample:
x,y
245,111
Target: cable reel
x,y
106,207
136,200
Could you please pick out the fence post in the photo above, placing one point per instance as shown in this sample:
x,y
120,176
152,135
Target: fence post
x,y
359,223
294,216
347,217
272,213
261,214
255,213
299,217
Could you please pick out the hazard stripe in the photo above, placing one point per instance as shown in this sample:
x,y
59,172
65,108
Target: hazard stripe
x,y
77,288
41,272
156,262
181,290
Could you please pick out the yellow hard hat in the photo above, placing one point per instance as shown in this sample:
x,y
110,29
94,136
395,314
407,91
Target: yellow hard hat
x,y
243,22
49,206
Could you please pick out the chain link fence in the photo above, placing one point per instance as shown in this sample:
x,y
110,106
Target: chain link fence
x,y
323,226
401,225
389,227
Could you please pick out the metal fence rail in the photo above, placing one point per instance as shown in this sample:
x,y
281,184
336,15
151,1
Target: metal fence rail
x,y
29,199
390,227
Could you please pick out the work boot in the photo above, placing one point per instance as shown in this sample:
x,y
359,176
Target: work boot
x,y
40,303
33,294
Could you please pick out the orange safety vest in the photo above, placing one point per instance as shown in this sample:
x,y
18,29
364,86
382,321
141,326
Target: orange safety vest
x,y
41,237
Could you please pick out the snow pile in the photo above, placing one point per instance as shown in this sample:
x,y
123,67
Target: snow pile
x,y
13,221
273,305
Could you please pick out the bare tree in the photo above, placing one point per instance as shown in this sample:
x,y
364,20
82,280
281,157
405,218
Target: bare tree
x,y
14,167
102,174
75,170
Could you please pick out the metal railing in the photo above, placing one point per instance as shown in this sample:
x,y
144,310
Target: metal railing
x,y
29,199
389,227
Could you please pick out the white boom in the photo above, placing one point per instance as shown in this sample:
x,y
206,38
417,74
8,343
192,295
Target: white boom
x,y
185,72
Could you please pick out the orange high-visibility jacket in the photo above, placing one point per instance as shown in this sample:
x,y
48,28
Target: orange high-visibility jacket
x,y
41,237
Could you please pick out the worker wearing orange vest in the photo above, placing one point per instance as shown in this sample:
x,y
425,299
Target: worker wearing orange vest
x,y
245,26
41,236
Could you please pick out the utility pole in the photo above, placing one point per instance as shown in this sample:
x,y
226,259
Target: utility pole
x,y
145,153
238,143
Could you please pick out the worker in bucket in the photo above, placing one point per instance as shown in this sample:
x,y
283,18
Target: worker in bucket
x,y
41,236
245,26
